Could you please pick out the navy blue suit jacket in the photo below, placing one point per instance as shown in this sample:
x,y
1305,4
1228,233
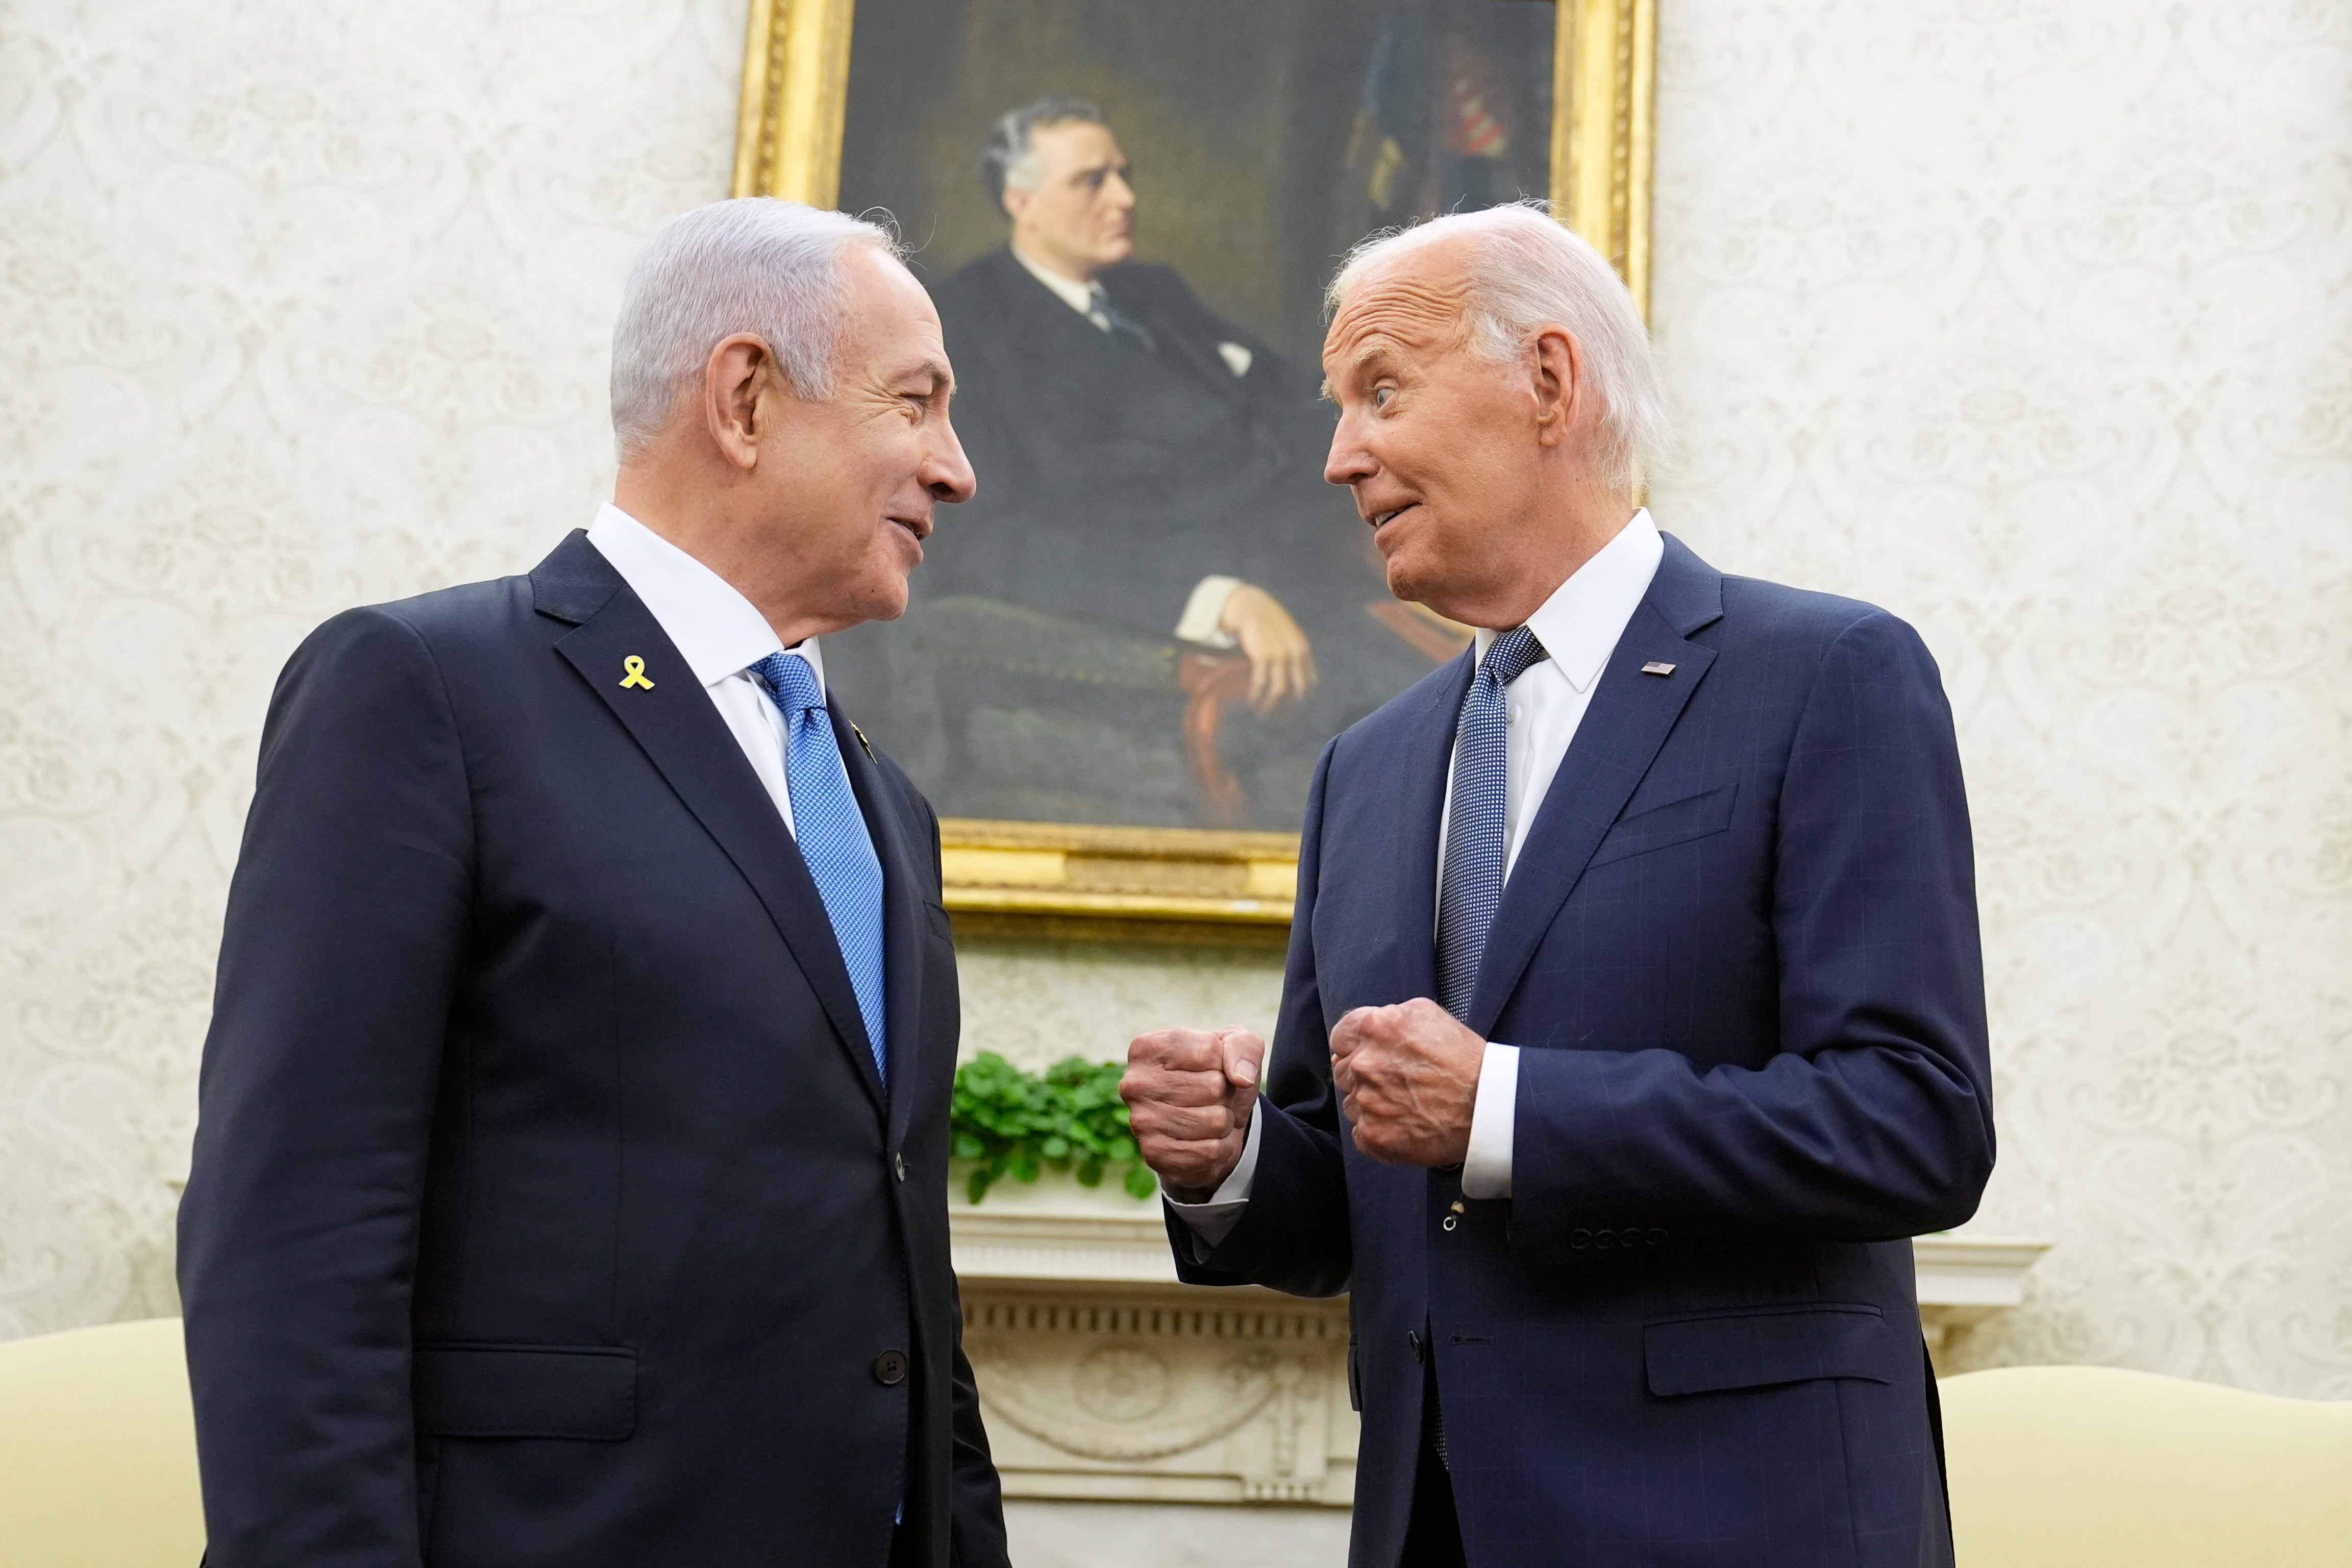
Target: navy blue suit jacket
x,y
1739,952
547,1207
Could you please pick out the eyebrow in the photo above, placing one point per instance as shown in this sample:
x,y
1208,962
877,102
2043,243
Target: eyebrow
x,y
1371,352
942,377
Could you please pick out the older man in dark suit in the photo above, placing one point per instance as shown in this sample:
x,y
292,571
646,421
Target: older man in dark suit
x,y
1634,1017
571,1169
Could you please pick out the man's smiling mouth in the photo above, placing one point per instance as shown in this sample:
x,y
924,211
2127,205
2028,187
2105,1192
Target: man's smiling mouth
x,y
1383,520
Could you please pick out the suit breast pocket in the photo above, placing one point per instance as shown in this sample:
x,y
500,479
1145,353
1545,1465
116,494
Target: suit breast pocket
x,y
1695,816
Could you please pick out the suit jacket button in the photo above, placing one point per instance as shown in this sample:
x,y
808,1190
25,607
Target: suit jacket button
x,y
1413,1338
1657,1235
898,1162
890,1368
1579,1240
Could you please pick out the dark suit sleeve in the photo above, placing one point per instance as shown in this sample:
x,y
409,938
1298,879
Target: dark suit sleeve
x,y
1293,1236
1874,1121
347,918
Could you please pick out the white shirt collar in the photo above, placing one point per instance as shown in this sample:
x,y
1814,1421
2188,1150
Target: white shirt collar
x,y
715,628
1579,624
1078,296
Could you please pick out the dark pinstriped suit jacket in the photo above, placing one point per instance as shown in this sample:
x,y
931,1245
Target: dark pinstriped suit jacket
x,y
1739,952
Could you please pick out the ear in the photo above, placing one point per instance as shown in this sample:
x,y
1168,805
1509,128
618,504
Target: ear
x,y
740,381
1016,202
1556,378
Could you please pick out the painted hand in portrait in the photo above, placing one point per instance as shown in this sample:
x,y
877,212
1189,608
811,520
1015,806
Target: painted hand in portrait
x,y
1156,611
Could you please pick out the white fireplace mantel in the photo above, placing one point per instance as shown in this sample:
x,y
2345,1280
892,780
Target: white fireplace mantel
x,y
1104,1378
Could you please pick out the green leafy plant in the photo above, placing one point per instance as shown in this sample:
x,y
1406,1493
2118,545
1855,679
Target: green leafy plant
x,y
1017,1123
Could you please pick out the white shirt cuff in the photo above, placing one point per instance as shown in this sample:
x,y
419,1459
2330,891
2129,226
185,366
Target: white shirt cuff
x,y
1213,1221
1486,1169
1204,610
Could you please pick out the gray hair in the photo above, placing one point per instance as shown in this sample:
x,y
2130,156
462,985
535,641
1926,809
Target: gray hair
x,y
1527,272
753,264
1008,159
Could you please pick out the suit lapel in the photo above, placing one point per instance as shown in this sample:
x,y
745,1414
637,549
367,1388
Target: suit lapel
x,y
902,932
1628,719
1421,768
681,731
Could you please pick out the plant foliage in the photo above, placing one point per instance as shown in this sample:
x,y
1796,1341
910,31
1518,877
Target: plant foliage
x,y
1015,1123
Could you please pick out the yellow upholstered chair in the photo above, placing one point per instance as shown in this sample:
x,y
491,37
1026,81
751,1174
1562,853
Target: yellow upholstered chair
x,y
98,1450
2089,1467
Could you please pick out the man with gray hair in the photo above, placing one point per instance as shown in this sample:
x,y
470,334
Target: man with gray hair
x,y
1634,1017
570,1176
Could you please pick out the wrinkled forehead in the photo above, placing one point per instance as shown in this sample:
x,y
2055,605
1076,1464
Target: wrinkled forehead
x,y
1415,303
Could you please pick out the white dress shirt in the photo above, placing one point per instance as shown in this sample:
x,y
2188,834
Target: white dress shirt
x,y
1579,626
1204,607
717,630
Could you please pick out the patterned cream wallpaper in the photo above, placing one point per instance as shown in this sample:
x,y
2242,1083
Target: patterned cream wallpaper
x,y
2029,322
2033,323
301,306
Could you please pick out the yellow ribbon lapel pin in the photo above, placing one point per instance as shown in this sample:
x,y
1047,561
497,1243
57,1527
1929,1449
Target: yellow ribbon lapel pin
x,y
633,674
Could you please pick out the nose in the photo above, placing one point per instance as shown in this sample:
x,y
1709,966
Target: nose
x,y
946,472
1349,462
1118,191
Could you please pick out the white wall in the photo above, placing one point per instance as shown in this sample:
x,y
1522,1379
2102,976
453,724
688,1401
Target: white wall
x,y
2028,322
2033,323
301,306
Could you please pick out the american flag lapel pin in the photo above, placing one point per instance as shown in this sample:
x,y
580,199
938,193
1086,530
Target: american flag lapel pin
x,y
1657,667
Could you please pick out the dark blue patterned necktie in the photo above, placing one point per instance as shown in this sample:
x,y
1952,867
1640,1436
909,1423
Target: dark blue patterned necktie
x,y
1475,825
832,834
1111,318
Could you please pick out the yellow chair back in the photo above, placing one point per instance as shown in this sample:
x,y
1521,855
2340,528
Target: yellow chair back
x,y
2087,1467
98,1450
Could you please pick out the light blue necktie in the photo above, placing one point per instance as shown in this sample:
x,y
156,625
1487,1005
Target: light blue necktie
x,y
832,834
1476,827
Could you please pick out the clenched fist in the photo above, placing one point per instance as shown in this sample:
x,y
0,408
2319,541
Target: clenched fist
x,y
1189,1094
1408,1079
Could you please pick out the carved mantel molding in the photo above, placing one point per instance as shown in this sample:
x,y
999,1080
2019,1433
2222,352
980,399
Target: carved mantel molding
x,y
1104,1378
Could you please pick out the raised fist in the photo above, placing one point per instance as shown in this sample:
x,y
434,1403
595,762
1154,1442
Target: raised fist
x,y
1189,1094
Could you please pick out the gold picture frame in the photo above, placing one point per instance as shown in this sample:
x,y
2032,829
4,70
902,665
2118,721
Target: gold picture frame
x,y
1056,879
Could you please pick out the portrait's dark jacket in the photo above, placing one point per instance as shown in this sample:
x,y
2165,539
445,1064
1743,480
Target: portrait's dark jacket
x,y
1113,478
547,1207
1739,952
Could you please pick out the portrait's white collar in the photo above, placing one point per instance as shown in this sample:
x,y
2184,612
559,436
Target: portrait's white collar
x,y
718,630
1078,296
1579,624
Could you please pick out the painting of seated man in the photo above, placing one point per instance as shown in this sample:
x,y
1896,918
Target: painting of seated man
x,y
1156,611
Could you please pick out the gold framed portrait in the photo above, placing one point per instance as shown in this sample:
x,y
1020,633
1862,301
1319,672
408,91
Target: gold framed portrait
x,y
1124,656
